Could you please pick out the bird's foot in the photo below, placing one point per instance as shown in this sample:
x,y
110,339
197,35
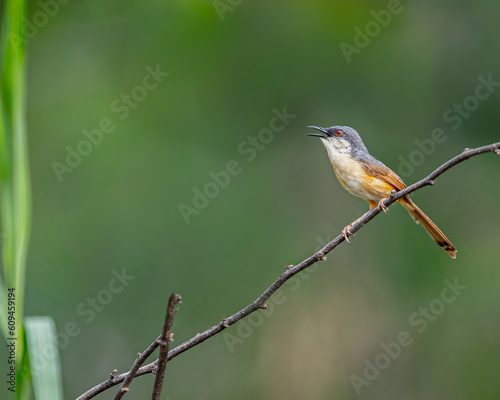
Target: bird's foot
x,y
381,206
346,232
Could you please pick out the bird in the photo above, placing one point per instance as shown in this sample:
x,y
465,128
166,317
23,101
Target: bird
x,y
364,176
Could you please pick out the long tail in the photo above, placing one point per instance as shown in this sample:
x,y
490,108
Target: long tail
x,y
420,218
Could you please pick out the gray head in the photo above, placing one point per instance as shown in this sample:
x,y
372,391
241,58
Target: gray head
x,y
341,140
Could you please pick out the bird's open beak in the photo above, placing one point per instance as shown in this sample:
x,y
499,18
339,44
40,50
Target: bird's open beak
x,y
324,135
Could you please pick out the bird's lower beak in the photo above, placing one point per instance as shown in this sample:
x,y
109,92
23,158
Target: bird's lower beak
x,y
323,130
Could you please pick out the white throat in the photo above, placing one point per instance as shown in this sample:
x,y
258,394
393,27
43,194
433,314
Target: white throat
x,y
337,149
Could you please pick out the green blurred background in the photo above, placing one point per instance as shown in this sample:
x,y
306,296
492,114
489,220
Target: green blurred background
x,y
230,64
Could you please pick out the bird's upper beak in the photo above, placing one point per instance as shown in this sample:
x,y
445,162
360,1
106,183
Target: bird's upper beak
x,y
323,130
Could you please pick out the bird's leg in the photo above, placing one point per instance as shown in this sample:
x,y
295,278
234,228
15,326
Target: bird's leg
x,y
381,206
346,232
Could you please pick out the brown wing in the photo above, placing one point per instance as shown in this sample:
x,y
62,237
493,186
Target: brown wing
x,y
385,174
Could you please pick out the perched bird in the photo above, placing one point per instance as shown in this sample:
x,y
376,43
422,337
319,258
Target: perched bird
x,y
364,176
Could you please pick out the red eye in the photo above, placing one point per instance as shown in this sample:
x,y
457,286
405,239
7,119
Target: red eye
x,y
338,132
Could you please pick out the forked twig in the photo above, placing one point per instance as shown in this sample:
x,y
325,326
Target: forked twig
x,y
141,357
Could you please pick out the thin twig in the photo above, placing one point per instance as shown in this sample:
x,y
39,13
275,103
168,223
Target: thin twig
x,y
127,378
291,271
174,298
165,339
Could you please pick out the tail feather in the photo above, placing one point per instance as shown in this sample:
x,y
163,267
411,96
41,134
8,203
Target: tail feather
x,y
434,232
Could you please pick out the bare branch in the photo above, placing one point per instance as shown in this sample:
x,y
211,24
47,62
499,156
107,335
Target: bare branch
x,y
293,270
165,339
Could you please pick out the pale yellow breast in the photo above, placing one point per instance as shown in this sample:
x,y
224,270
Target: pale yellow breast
x,y
356,181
